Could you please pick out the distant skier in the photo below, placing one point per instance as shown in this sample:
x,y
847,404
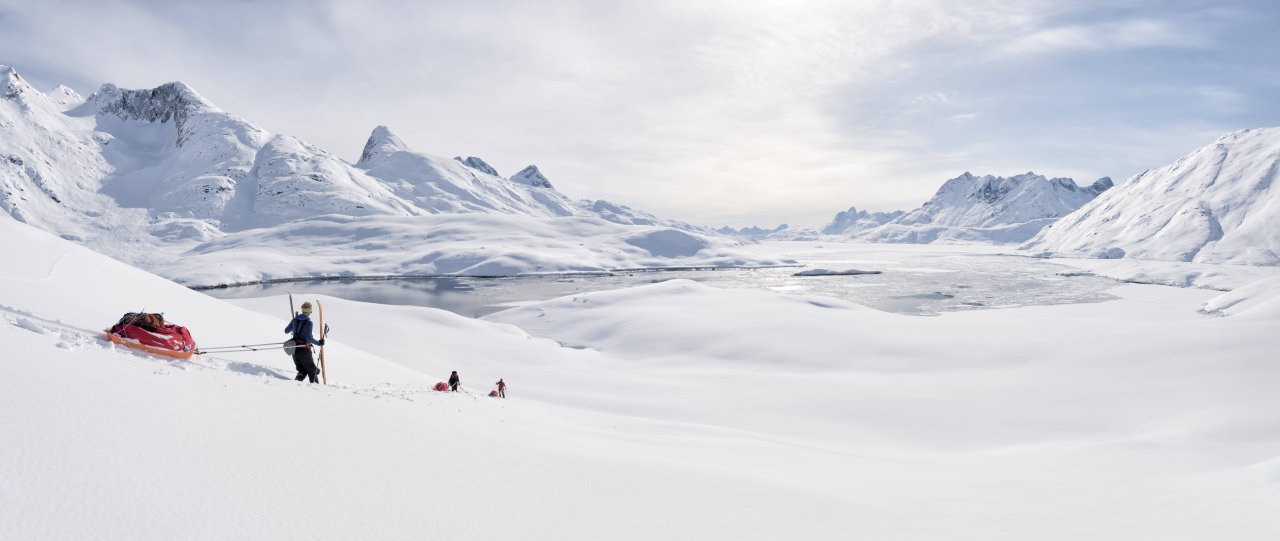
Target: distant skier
x,y
454,380
300,326
502,388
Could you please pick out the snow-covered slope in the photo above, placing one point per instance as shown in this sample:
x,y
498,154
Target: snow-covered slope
x,y
439,185
970,208
101,442
725,413
1218,204
170,150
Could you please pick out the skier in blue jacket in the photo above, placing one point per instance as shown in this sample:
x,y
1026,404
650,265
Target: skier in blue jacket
x,y
300,326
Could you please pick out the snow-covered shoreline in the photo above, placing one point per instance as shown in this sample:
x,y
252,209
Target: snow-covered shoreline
x,y
384,277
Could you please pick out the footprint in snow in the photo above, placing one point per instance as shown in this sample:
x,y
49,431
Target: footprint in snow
x,y
24,323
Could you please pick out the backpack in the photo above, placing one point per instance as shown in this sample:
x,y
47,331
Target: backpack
x,y
150,322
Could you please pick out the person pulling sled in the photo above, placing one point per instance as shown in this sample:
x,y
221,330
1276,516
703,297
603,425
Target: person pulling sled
x,y
454,380
502,388
300,326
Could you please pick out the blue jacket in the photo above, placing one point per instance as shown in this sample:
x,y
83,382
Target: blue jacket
x,y
303,325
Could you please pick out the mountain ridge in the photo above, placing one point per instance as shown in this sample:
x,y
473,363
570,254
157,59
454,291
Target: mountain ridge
x,y
1217,204
972,208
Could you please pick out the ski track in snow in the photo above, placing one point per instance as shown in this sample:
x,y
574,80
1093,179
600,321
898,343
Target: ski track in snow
x,y
71,337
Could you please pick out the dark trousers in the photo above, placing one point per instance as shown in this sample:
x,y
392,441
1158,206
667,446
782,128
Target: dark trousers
x,y
502,392
305,364
453,385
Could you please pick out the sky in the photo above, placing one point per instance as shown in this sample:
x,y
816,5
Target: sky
x,y
723,112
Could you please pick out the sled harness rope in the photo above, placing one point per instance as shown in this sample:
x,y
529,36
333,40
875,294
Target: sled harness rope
x,y
240,349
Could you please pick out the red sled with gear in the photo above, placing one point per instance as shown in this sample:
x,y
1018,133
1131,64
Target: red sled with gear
x,y
150,333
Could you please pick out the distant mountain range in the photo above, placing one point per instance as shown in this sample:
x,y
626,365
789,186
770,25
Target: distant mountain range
x,y
148,175
970,208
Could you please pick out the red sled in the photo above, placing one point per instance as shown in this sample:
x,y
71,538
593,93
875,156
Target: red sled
x,y
493,394
150,333
441,386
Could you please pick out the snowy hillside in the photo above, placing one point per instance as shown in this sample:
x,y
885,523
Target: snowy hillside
x,y
1218,204
629,405
970,208
97,438
148,175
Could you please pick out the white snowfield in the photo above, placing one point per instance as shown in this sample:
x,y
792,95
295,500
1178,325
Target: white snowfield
x,y
146,176
1218,204
668,411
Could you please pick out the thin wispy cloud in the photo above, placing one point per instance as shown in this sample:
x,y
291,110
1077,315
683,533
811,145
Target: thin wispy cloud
x,y
752,112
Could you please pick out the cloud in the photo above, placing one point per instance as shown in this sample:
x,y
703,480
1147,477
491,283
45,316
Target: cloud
x,y
1102,36
720,111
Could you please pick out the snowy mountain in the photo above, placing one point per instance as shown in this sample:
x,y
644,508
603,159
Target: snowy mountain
x,y
853,221
479,165
970,208
1217,204
531,176
148,175
438,185
751,231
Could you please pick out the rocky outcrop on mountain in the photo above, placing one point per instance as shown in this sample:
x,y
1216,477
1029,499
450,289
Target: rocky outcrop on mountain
x,y
479,165
380,143
531,176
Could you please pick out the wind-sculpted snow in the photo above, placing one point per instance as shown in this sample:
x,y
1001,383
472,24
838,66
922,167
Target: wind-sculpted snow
x,y
1260,300
1218,204
668,243
969,208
